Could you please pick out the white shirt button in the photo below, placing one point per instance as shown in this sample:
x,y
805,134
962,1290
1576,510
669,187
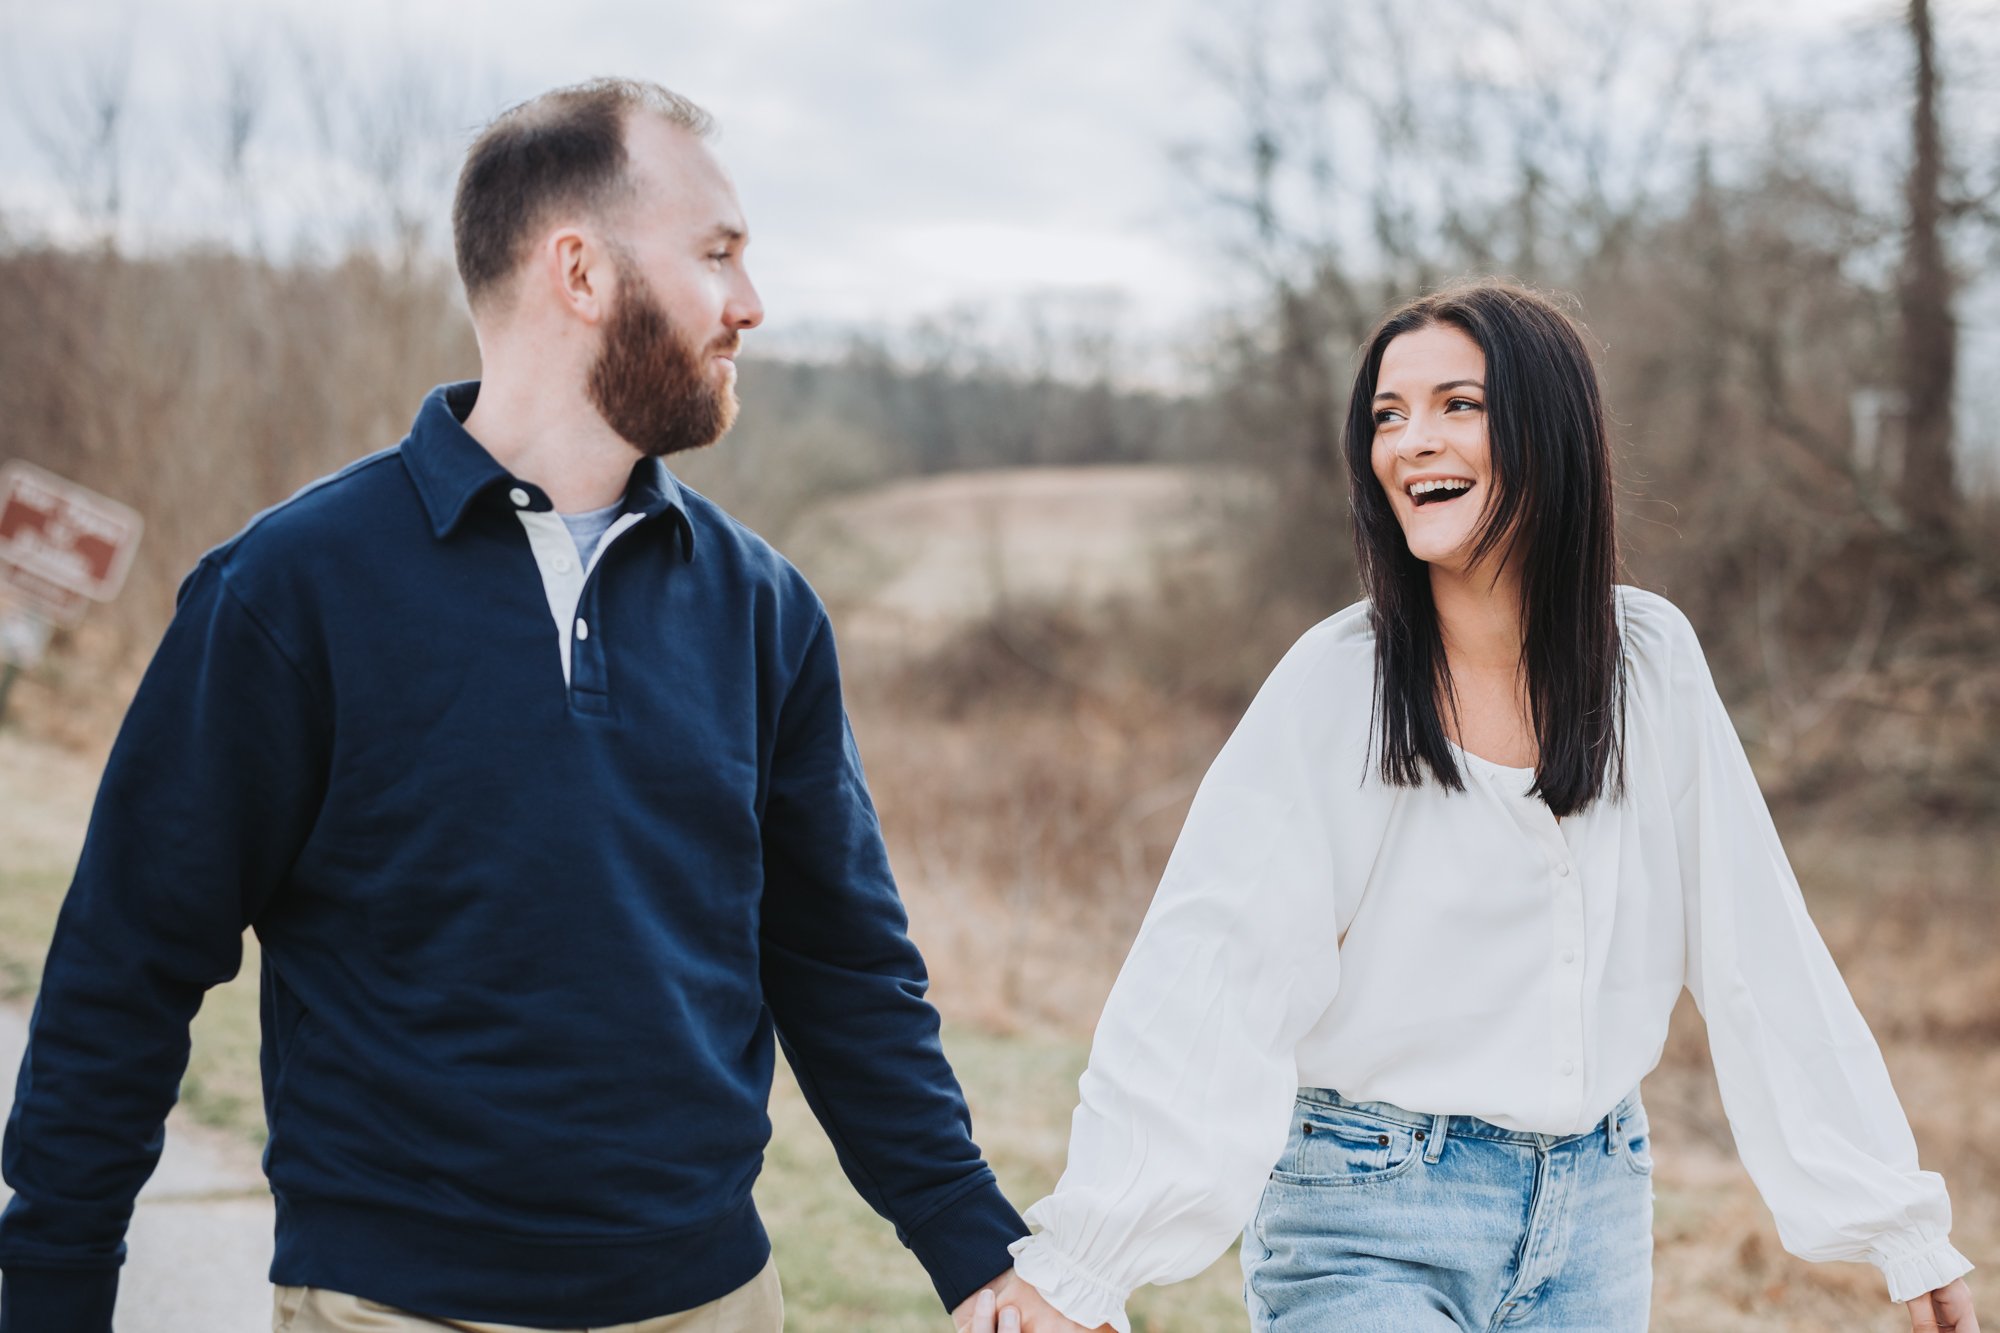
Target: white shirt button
x,y
1562,868
1569,1067
1569,955
582,629
519,497
561,564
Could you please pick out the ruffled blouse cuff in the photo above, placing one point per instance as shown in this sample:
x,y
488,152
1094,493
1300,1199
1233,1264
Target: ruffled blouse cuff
x,y
1081,1296
1911,1275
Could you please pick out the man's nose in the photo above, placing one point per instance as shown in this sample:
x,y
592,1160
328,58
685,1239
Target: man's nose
x,y
745,309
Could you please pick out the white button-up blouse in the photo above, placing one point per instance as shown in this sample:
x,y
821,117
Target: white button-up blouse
x,y
1468,954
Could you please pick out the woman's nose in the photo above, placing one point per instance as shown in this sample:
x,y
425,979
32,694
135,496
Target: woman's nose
x,y
1417,441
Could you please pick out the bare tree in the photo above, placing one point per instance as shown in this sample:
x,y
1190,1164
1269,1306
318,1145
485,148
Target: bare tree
x,y
78,126
395,127
1367,162
242,97
1929,332
404,142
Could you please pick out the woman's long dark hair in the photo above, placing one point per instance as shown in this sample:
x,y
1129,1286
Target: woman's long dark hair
x,y
1551,509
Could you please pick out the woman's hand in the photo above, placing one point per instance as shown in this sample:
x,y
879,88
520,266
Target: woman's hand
x,y
1946,1310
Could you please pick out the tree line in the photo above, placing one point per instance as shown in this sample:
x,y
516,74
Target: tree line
x,y
1777,272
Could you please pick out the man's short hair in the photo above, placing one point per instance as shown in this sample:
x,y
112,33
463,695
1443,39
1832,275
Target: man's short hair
x,y
562,150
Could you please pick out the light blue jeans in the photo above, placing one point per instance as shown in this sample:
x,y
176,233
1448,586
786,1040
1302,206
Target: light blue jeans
x,y
1381,1218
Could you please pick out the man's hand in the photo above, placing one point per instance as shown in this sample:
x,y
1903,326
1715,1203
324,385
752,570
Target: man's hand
x,y
1946,1310
978,1316
1009,1305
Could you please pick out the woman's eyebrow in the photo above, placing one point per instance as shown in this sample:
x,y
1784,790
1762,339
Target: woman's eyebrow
x,y
1441,388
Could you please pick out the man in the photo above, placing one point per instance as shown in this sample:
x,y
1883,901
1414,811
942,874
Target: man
x,y
530,770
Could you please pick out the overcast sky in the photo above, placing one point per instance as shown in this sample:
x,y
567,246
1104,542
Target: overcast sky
x,y
895,157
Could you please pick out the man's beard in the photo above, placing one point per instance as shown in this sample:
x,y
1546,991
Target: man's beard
x,y
651,387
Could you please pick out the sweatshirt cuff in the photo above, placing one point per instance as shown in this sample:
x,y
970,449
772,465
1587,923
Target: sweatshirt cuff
x,y
57,1300
1082,1297
964,1245
1911,1275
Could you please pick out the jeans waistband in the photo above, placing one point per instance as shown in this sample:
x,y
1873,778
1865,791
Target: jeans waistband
x,y
1437,1126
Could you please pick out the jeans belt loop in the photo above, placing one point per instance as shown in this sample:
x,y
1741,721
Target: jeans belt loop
x,y
1435,1148
1614,1141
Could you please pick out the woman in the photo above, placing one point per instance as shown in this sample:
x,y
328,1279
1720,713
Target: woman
x,y
1419,954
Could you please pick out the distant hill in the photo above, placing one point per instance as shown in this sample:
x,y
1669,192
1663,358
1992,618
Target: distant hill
x,y
904,564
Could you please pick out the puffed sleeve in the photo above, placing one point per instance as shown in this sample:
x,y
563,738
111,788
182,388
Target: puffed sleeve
x,y
1192,1071
1808,1098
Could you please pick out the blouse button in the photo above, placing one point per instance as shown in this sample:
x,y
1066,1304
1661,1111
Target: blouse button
x,y
1562,867
519,497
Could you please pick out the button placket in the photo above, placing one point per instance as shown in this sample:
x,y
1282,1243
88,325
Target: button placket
x,y
589,676
562,581
1566,954
1566,893
1547,849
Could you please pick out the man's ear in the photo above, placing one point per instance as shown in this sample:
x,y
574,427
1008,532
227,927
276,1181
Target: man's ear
x,y
577,270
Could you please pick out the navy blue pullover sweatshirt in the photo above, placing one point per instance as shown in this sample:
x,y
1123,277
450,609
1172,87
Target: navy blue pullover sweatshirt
x,y
526,944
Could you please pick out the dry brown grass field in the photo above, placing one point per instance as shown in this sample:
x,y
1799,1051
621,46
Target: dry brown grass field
x,y
1031,775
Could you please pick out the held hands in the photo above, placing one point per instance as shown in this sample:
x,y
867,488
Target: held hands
x,y
1946,1310
1009,1305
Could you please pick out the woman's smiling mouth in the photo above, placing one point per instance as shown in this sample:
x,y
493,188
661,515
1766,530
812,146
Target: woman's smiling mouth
x,y
1436,490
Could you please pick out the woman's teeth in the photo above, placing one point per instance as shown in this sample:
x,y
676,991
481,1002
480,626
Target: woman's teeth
x,y
1444,488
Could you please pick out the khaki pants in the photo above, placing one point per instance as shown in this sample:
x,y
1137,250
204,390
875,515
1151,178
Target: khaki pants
x,y
755,1307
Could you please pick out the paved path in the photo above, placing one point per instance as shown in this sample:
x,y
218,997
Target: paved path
x,y
200,1245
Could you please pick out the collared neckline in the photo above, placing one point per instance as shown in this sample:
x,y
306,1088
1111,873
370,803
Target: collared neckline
x,y
453,471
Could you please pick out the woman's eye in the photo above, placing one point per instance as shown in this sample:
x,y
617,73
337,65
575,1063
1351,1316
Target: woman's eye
x,y
1467,404
1386,415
